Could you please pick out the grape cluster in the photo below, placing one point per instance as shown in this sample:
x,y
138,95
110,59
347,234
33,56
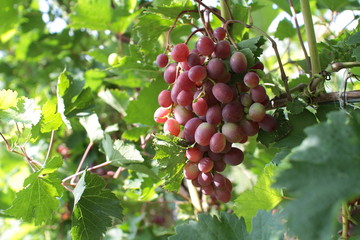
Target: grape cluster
x,y
214,100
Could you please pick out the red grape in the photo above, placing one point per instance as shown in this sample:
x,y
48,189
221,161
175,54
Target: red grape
x,y
258,94
194,154
234,157
170,73
238,62
268,123
220,33
172,126
233,112
190,128
251,79
180,52
162,60
217,143
222,92
191,171
205,46
257,112
222,49
160,115
203,133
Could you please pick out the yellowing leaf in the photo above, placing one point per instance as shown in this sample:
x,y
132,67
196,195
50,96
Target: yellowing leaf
x,y
8,99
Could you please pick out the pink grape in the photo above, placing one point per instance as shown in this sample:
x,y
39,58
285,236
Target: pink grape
x,y
238,62
204,179
203,133
258,94
190,128
219,166
191,171
172,126
213,115
184,82
184,98
197,73
170,73
250,128
180,52
222,92
215,68
257,112
194,154
205,46
160,115
234,157
193,59
219,180
200,107
182,115
233,112
245,99
207,190
205,164
222,194
217,143
251,79
164,98
222,49
220,33
268,123
232,132
215,156
162,60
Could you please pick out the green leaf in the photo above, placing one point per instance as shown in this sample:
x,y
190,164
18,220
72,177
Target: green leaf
x,y
267,225
117,99
92,14
51,120
241,13
142,109
333,5
356,53
354,39
261,196
227,226
93,128
8,99
254,44
119,152
323,172
39,198
9,18
285,29
296,106
170,158
93,207
135,133
250,57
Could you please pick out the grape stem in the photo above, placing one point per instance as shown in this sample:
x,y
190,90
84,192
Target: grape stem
x,y
194,196
337,66
82,161
299,35
345,221
349,97
50,145
173,26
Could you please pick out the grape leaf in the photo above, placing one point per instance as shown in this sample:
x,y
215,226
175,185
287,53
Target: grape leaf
x,y
134,134
356,53
170,158
267,225
254,44
261,196
284,30
39,198
142,110
119,152
117,99
92,126
93,207
92,14
51,120
227,226
329,156
8,98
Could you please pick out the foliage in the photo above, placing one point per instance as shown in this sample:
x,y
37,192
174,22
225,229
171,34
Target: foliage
x,y
81,155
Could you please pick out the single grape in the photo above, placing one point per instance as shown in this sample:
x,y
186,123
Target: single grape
x,y
176,89
207,190
184,82
191,171
222,49
193,59
203,149
217,143
205,164
194,154
215,68
258,94
238,62
162,60
219,166
195,183
170,73
258,65
205,46
164,98
204,179
245,99
190,128
227,147
222,194
233,112
160,115
215,156
172,126
185,66
219,180
184,98
200,107
251,79
228,184
220,33
234,157
197,73
232,132
182,115
268,123
213,115
250,128
257,112
180,52
203,133
222,92
242,87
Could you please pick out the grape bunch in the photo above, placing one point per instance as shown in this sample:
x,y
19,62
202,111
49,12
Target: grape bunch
x,y
214,100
